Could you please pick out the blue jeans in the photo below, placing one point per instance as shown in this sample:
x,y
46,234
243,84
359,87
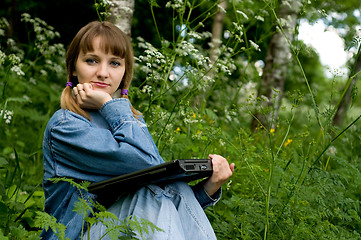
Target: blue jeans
x,y
173,209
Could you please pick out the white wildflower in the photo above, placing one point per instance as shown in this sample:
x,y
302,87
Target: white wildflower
x,y
27,98
11,42
16,69
106,3
33,81
221,8
2,57
197,135
283,22
259,18
14,60
7,115
175,4
195,35
332,150
254,45
238,27
243,14
147,89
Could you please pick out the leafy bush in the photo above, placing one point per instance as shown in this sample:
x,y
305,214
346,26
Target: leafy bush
x,y
297,176
29,95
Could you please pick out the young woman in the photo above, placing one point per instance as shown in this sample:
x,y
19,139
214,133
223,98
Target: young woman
x,y
95,136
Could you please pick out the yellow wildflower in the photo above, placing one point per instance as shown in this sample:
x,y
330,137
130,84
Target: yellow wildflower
x,y
272,130
177,130
287,142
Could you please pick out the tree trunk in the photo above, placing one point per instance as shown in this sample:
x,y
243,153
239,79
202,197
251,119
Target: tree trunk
x,y
277,58
217,31
344,104
122,14
214,51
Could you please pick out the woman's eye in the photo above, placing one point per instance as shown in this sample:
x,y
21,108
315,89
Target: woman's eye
x,y
91,61
115,63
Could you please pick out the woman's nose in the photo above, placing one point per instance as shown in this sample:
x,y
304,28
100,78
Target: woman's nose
x,y
102,71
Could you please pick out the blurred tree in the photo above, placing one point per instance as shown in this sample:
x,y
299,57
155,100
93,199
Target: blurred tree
x,y
122,14
214,51
350,92
217,31
345,16
276,61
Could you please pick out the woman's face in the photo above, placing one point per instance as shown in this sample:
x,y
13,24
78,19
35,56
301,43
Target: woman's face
x,y
103,71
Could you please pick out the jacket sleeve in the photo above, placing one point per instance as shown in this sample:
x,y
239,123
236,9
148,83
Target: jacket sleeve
x,y
202,196
83,151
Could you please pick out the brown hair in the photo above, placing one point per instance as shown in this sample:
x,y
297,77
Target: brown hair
x,y
113,40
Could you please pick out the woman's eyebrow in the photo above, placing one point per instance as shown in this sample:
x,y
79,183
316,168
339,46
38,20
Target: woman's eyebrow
x,y
117,57
90,54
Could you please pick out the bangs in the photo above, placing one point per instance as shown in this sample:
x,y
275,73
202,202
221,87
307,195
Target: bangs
x,y
112,41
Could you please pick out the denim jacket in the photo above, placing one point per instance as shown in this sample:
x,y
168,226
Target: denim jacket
x,y
112,144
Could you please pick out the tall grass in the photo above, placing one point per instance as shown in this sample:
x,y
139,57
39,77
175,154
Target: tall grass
x,y
299,180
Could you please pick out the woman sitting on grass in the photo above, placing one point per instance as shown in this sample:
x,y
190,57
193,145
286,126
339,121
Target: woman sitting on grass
x,y
94,137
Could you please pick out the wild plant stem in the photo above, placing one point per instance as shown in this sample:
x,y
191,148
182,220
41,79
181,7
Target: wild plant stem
x,y
155,23
332,141
286,135
248,165
268,195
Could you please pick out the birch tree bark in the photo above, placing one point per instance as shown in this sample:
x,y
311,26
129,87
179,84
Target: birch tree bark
x,y
121,14
277,57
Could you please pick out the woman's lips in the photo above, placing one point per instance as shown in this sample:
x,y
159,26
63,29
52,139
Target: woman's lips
x,y
100,84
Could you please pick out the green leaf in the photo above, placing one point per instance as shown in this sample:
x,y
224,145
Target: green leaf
x,y
18,232
46,221
154,3
2,237
3,162
82,207
3,213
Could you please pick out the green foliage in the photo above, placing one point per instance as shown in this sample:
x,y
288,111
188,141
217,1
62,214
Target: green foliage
x,y
94,213
102,9
28,95
296,177
44,220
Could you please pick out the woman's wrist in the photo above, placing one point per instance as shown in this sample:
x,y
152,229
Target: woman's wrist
x,y
211,188
105,100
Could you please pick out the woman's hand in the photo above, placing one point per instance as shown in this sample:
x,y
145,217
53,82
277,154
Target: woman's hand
x,y
89,98
222,171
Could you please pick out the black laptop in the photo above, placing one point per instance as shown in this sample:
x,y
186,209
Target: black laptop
x,y
177,170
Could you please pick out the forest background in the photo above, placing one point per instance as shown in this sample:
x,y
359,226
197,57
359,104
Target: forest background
x,y
227,77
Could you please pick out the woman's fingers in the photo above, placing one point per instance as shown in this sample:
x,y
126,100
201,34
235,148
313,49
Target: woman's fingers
x,y
88,98
222,171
